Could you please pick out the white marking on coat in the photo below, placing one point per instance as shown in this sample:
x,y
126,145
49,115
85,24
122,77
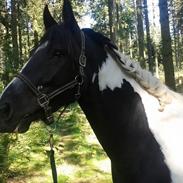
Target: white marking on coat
x,y
110,75
167,126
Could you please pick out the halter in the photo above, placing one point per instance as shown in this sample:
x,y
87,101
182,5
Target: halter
x,y
44,99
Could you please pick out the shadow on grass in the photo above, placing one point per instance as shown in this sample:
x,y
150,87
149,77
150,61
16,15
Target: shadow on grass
x,y
77,150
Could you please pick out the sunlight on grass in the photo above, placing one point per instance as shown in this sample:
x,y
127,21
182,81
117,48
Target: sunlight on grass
x,y
103,165
91,139
67,170
79,156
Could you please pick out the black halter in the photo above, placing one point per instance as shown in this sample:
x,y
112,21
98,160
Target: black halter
x,y
44,99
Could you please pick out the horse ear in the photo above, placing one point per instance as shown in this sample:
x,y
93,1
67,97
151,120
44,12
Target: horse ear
x,y
68,17
48,19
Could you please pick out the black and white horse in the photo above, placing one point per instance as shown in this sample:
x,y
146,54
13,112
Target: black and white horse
x,y
137,120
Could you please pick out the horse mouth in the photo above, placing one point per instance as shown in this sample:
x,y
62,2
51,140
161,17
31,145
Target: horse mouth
x,y
24,124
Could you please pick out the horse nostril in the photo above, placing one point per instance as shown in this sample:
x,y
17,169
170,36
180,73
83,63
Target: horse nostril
x,y
6,111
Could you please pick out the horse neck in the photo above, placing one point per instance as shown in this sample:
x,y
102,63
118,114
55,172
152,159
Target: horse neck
x,y
117,116
111,109
107,92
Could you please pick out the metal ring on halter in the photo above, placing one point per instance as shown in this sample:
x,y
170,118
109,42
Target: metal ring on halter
x,y
43,100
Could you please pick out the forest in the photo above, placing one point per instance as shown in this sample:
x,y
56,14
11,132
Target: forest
x,y
148,31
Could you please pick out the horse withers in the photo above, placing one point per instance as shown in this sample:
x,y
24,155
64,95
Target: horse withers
x,y
137,120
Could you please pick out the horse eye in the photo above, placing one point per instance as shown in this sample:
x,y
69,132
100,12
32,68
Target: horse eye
x,y
58,53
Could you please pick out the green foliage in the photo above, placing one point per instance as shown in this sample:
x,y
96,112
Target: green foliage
x,y
127,20
99,12
124,21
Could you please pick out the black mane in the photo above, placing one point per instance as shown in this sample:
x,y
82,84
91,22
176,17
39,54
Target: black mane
x,y
99,39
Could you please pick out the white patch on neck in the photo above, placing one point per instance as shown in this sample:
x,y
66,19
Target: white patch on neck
x,y
167,126
110,75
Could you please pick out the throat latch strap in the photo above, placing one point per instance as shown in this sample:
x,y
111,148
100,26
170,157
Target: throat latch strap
x,y
44,99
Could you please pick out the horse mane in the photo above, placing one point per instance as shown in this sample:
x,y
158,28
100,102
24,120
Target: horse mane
x,y
144,78
99,38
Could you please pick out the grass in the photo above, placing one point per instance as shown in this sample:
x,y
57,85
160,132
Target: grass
x,y
79,157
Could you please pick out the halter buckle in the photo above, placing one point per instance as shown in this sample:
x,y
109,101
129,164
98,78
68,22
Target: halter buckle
x,y
82,60
43,100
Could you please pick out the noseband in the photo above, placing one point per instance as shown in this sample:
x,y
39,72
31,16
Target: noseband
x,y
43,99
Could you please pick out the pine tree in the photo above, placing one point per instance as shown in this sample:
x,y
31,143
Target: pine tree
x,y
14,36
166,45
112,14
140,31
151,61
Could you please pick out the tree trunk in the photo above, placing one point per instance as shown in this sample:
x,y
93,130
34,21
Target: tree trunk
x,y
28,36
111,11
149,40
36,38
130,45
117,22
6,54
154,34
179,49
166,45
20,35
14,34
140,31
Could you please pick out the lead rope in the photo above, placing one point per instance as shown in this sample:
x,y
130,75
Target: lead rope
x,y
52,159
51,143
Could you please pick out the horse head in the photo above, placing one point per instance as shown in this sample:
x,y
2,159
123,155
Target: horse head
x,y
53,65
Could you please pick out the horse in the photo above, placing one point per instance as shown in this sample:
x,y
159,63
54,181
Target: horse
x,y
136,118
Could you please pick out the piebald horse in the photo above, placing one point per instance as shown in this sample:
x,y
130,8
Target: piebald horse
x,y
137,120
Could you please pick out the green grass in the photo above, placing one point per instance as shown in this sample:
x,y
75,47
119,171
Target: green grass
x,y
79,157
